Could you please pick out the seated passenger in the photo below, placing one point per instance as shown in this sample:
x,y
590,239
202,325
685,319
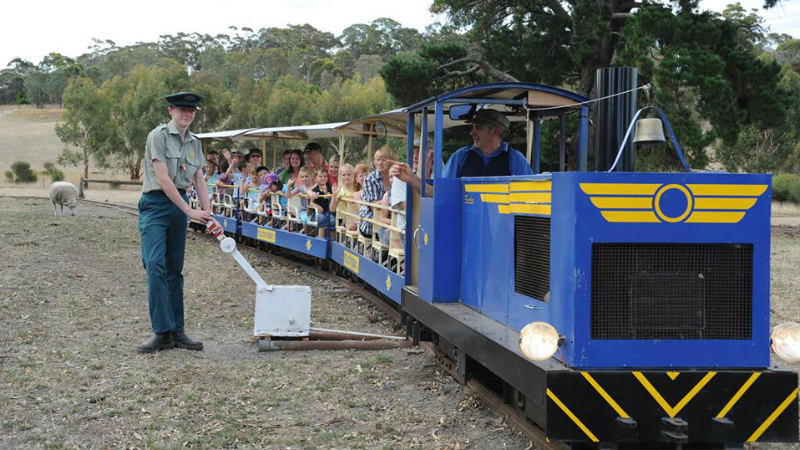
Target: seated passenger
x,y
333,171
321,201
488,156
375,185
232,172
397,200
213,156
241,178
345,188
211,175
384,216
360,174
296,161
314,157
249,191
269,186
254,159
211,169
303,189
286,162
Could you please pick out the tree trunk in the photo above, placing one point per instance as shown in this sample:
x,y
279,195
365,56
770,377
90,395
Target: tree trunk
x,y
85,156
608,42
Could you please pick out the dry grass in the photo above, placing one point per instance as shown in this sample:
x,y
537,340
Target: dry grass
x,y
122,196
27,134
785,213
74,308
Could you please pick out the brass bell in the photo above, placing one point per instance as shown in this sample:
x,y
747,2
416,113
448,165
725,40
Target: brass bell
x,y
649,131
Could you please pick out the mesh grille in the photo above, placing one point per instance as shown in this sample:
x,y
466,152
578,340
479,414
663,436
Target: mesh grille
x,y
532,256
672,291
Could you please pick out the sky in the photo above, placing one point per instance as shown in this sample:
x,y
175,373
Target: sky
x,y
67,27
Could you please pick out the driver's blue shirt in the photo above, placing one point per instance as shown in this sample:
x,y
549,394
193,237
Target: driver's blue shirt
x,y
517,163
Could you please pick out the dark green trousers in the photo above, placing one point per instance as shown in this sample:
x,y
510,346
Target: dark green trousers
x,y
162,226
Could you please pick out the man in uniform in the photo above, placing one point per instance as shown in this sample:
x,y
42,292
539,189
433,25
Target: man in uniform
x,y
173,159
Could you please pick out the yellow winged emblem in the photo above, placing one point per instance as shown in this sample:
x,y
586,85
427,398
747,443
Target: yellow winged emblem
x,y
521,197
673,203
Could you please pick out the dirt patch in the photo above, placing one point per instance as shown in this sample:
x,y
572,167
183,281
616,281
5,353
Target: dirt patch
x,y
122,196
785,231
74,308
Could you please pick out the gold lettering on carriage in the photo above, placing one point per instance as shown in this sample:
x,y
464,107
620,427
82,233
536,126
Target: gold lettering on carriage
x,y
350,261
266,235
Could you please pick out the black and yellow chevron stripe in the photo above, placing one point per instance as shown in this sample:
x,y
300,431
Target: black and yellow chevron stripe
x,y
725,406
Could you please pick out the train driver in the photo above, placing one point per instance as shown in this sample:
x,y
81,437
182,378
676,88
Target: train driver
x,y
488,156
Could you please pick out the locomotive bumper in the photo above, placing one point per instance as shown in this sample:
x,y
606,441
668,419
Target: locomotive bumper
x,y
728,406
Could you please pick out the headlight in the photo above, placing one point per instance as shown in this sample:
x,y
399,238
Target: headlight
x,y
786,341
538,341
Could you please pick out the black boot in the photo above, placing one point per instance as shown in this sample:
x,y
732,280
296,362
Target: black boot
x,y
181,340
161,341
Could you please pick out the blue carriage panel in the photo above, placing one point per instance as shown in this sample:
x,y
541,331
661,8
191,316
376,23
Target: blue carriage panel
x,y
668,270
439,242
293,241
229,224
383,280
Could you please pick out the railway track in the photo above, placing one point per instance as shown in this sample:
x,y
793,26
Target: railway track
x,y
481,390
478,387
132,210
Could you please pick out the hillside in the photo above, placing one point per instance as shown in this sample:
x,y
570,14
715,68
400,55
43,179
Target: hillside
x,y
27,134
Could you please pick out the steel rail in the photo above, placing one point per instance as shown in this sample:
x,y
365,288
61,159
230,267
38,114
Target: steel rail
x,y
481,390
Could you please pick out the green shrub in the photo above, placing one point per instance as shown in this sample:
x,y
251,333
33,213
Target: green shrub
x,y
786,188
21,172
53,172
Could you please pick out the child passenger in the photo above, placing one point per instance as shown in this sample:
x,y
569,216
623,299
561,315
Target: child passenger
x,y
250,189
360,174
321,201
333,171
303,188
269,185
344,190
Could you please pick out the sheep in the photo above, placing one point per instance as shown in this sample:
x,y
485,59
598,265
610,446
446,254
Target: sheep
x,y
64,193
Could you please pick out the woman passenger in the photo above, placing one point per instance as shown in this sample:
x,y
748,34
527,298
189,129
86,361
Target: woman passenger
x,y
296,161
333,170
288,177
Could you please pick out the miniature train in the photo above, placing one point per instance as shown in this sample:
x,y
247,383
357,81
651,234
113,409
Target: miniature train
x,y
643,297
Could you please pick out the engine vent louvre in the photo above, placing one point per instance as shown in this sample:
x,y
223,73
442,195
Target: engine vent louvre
x,y
672,291
532,256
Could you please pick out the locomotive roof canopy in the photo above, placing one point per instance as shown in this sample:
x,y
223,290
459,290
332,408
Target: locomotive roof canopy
x,y
537,96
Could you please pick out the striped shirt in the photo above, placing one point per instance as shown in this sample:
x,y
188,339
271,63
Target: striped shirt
x,y
373,192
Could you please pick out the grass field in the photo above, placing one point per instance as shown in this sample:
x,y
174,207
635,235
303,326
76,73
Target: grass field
x,y
28,134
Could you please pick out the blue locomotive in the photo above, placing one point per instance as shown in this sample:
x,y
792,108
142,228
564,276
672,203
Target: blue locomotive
x,y
615,308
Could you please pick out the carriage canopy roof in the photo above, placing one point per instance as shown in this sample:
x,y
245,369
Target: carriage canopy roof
x,y
223,136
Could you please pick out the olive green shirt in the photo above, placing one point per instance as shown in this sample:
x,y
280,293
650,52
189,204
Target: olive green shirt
x,y
183,159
